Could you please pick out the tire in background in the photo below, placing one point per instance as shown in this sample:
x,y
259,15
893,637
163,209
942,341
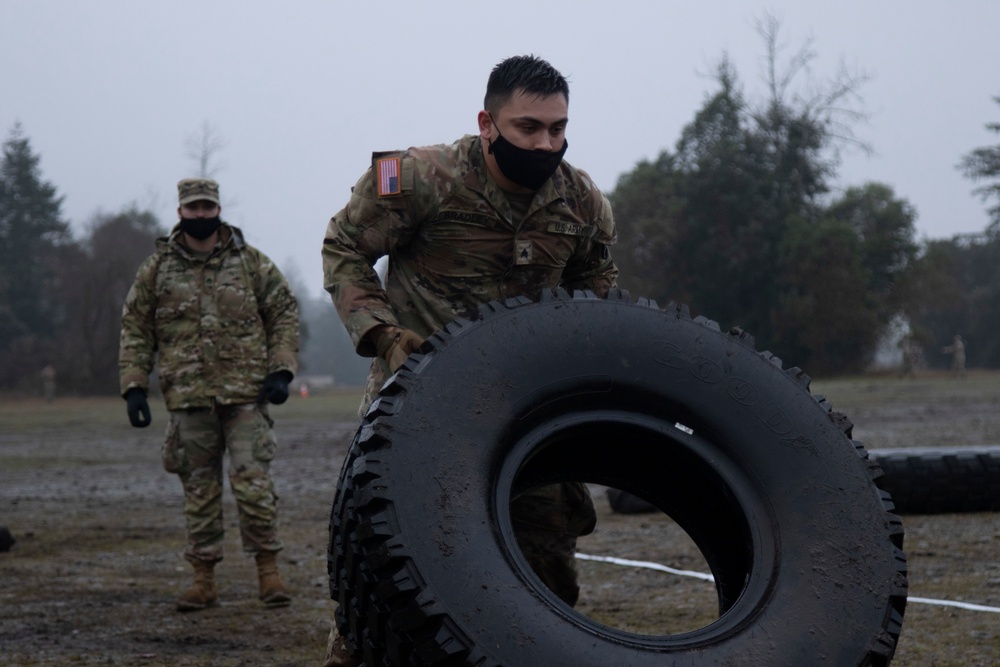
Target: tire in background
x,y
921,480
762,475
928,480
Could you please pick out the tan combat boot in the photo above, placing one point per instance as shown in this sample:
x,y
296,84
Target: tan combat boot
x,y
272,591
202,592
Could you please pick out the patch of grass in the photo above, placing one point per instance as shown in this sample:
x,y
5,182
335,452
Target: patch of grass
x,y
24,415
873,391
27,415
20,463
334,405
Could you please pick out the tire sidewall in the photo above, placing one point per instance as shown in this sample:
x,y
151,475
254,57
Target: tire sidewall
x,y
822,563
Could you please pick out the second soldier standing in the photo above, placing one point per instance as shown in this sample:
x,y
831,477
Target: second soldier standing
x,y
222,322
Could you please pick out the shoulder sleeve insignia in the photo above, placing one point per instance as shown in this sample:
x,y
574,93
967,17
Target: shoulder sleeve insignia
x,y
388,172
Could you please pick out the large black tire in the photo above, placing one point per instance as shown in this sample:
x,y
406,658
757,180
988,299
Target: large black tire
x,y
928,480
922,480
762,475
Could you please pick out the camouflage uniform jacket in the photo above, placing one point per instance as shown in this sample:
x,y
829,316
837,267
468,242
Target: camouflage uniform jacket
x,y
452,242
218,324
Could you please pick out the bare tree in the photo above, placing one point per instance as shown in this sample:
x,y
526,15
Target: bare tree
x,y
94,286
204,149
833,106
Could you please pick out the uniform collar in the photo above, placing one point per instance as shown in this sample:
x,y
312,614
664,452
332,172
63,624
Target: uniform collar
x,y
479,179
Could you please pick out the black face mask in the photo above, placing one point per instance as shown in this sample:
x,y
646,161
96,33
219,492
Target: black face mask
x,y
525,167
200,228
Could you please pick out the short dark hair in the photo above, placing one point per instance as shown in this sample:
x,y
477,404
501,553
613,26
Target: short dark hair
x,y
528,73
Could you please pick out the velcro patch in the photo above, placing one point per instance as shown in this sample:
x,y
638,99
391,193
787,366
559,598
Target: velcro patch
x,y
388,176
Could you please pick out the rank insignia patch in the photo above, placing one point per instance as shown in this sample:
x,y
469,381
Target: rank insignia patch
x,y
388,176
522,252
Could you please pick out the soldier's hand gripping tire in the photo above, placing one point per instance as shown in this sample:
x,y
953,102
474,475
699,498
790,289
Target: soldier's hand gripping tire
x,y
762,475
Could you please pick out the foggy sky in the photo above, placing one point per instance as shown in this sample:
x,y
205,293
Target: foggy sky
x,y
111,92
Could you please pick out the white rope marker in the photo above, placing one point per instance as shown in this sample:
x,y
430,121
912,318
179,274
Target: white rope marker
x,y
708,577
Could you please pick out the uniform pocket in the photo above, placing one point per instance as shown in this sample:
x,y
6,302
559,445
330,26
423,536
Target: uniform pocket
x,y
173,449
265,445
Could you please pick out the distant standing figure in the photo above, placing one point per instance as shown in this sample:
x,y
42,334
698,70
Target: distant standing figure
x,y
907,346
957,352
49,382
222,321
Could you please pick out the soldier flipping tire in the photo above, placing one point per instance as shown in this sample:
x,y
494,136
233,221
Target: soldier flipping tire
x,y
762,475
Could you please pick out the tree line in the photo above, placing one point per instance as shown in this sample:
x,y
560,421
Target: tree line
x,y
739,221
61,297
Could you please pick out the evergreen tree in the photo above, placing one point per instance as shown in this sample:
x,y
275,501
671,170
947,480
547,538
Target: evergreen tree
x,y
732,231
954,288
734,222
984,164
648,209
31,230
884,226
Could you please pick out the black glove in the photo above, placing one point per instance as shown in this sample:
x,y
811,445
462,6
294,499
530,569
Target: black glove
x,y
138,408
275,389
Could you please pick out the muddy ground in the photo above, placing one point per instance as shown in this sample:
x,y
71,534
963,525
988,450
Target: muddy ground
x,y
97,565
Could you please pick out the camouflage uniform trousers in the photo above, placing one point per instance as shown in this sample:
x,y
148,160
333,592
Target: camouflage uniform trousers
x,y
547,520
196,441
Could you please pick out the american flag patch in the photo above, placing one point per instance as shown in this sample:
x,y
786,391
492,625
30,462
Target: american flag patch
x,y
388,176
